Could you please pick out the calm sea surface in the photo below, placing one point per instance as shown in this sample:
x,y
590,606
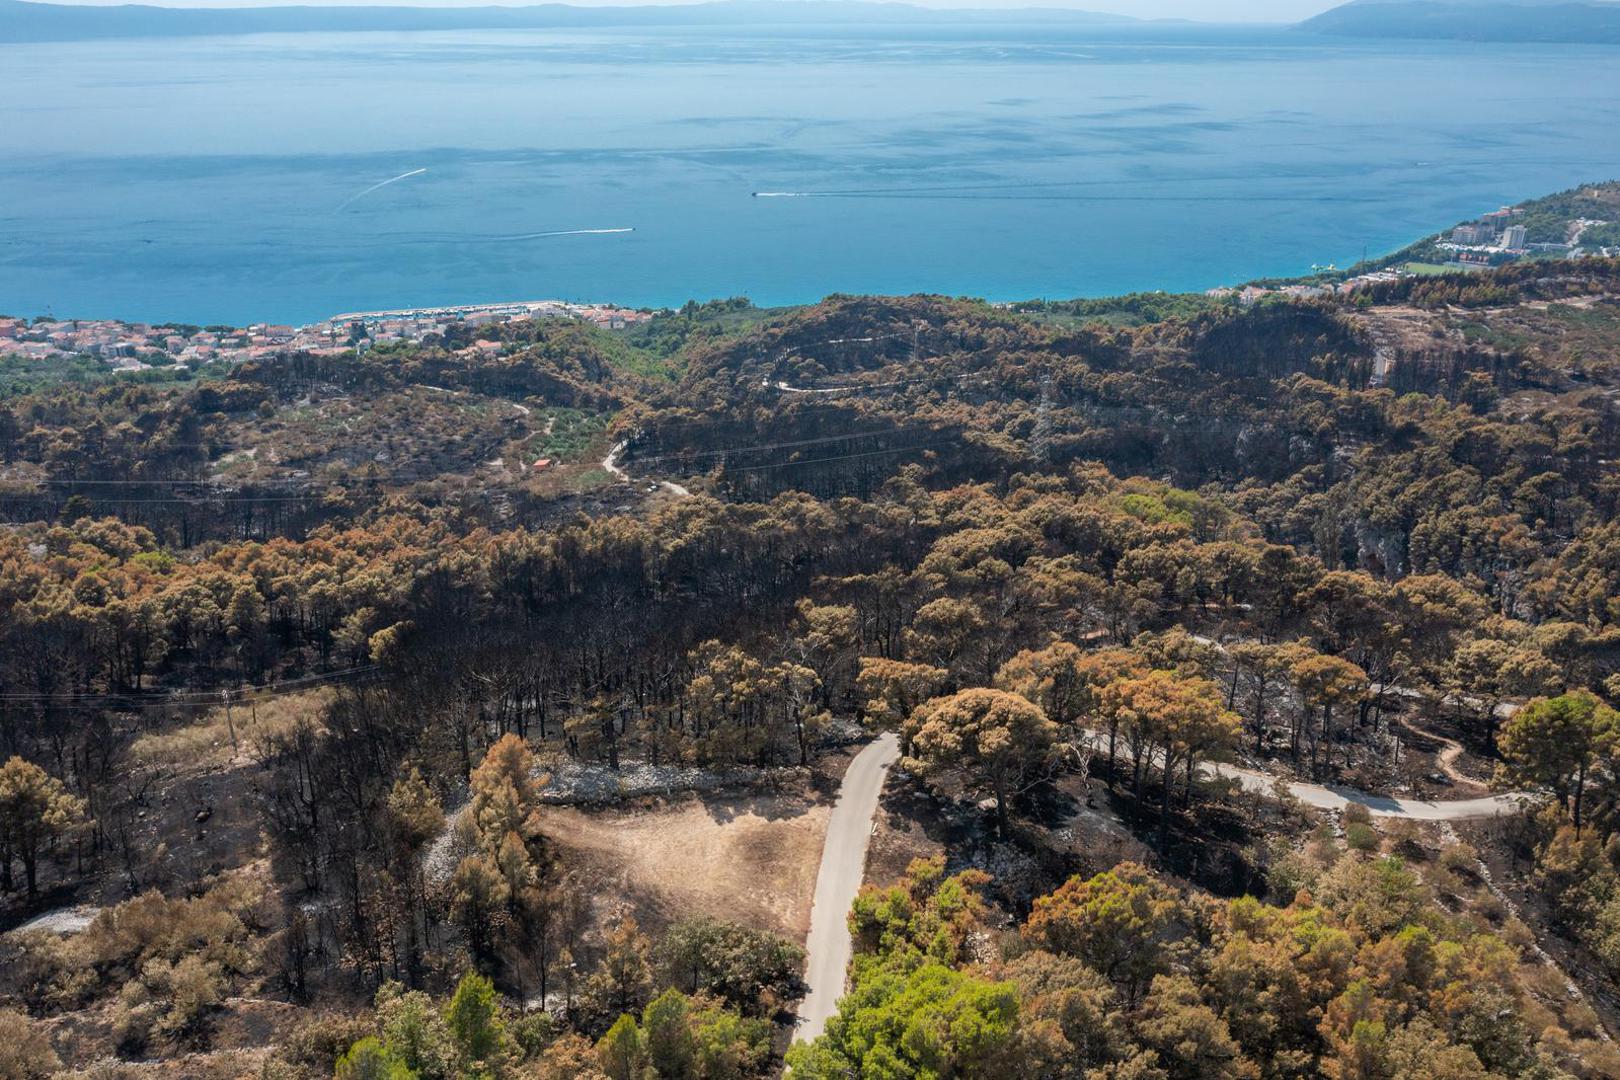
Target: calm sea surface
x,y
231,179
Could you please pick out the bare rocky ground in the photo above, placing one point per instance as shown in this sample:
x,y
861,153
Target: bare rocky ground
x,y
576,783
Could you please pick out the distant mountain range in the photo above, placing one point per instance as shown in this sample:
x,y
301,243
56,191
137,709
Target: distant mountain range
x,y
1592,23
1575,21
21,20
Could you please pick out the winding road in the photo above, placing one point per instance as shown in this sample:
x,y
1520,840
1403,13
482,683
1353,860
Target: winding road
x,y
611,462
789,388
843,866
849,829
1337,797
612,466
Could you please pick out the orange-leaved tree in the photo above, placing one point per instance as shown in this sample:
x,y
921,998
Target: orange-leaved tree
x,y
991,742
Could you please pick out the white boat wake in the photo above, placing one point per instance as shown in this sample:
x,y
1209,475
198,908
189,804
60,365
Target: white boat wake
x,y
391,180
567,232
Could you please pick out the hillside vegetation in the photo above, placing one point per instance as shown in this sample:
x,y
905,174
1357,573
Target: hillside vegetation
x,y
336,739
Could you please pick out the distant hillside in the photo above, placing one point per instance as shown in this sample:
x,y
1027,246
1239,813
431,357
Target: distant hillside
x,y
1473,20
23,21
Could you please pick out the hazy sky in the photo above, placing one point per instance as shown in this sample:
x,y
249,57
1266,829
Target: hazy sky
x,y
1203,10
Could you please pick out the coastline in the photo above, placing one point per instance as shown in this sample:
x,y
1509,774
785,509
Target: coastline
x,y
1496,237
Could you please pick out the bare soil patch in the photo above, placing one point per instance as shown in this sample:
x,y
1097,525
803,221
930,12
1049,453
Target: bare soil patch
x,y
748,859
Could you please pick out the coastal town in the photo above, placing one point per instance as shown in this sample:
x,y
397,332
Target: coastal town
x,y
1249,294
1493,239
134,346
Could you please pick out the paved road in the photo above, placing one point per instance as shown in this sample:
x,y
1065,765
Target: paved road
x,y
843,865
843,857
1338,796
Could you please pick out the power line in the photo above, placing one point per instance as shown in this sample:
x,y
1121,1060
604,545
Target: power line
x,y
280,481
359,484
1040,440
402,477
846,457
813,391
285,492
209,699
758,447
362,480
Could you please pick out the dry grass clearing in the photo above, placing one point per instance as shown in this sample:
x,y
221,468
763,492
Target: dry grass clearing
x,y
207,741
748,859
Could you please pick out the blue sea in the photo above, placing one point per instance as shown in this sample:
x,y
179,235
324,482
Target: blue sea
x,y
290,177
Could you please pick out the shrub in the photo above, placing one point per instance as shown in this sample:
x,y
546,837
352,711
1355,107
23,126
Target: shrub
x,y
1489,906
534,1032
1286,871
1406,839
52,973
412,1025
25,1052
1323,847
1460,858
123,943
1360,837
370,1059
1579,1017
1374,896
1518,935
1446,883
571,1057
110,1068
171,1001
133,1018
193,988
748,969
314,1047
